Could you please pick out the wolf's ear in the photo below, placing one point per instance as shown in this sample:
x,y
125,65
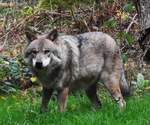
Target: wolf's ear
x,y
52,35
30,36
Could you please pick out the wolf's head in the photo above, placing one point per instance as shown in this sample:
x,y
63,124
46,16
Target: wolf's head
x,y
42,51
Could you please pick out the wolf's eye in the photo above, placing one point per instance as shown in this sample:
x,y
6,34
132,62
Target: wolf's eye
x,y
46,51
34,52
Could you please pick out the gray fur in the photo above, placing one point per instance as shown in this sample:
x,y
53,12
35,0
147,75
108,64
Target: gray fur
x,y
79,62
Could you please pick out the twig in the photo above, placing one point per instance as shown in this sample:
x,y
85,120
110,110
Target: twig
x,y
133,20
85,23
143,55
72,14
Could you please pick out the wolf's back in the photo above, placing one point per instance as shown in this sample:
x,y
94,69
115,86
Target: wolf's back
x,y
91,48
110,47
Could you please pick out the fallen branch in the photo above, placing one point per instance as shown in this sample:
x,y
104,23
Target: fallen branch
x,y
132,22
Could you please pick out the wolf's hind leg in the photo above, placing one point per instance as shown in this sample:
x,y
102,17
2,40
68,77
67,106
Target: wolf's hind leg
x,y
62,98
92,95
47,93
111,81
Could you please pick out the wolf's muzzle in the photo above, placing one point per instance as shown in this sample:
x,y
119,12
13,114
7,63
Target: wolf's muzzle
x,y
38,65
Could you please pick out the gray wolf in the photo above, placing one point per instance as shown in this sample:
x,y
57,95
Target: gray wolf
x,y
65,63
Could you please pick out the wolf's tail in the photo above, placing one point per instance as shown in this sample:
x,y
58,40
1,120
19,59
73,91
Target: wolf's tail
x,y
124,86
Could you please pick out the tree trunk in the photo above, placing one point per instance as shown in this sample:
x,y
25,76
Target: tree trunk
x,y
143,10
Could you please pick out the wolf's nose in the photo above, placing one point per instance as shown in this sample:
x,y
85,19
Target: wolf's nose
x,y
39,65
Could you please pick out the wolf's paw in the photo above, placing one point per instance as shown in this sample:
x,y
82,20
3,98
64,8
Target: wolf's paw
x,y
121,103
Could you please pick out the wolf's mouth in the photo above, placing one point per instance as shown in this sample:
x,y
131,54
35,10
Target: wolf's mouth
x,y
39,65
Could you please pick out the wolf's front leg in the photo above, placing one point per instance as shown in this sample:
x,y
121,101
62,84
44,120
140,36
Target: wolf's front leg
x,y
62,98
92,95
47,93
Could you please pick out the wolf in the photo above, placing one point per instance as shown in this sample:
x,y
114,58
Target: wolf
x,y
74,62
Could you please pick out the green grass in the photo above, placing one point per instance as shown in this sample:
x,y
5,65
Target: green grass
x,y
23,110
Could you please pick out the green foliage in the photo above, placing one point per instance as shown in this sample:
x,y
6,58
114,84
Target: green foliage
x,y
27,10
7,87
8,69
141,82
46,4
110,1
5,71
4,11
52,4
130,39
124,57
110,23
129,7
12,70
124,36
4,68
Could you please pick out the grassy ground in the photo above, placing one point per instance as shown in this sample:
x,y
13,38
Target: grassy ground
x,y
23,110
